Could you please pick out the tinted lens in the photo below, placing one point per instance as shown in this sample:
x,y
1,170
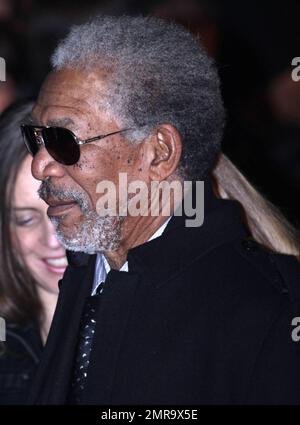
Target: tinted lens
x,y
61,145
30,139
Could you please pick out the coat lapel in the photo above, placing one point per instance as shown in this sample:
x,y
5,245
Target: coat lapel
x,y
115,307
52,382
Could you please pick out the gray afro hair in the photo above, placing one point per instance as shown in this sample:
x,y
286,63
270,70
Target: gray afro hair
x,y
159,74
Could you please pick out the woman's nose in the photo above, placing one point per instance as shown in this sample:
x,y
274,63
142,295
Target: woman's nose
x,y
49,237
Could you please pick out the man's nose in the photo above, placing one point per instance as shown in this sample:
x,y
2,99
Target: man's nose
x,y
43,165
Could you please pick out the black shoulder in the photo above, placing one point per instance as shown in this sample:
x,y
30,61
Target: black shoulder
x,y
288,267
78,263
23,341
283,271
77,259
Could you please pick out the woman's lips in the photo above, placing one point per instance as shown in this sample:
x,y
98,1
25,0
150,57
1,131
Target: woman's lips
x,y
56,265
58,209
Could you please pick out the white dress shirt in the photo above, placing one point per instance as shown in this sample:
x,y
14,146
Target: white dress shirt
x,y
102,267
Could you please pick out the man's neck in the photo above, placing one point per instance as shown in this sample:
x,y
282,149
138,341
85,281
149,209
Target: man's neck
x,y
136,233
137,230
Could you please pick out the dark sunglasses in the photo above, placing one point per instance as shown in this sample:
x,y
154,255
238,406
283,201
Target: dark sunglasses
x,y
61,143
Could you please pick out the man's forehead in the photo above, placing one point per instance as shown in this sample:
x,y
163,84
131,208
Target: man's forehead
x,y
61,122
67,89
75,80
66,96
58,115
73,99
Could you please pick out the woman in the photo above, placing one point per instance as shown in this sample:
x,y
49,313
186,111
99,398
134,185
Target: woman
x,y
31,262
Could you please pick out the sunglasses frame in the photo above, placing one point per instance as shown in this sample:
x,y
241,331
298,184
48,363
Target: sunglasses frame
x,y
38,132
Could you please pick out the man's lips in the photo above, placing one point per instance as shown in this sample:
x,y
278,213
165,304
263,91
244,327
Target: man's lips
x,y
58,208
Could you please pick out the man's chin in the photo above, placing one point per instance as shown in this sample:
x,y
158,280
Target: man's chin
x,y
90,234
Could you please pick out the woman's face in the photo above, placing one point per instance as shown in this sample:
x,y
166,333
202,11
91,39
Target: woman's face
x,y
33,235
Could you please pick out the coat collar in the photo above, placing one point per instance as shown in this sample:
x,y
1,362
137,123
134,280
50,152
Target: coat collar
x,y
161,258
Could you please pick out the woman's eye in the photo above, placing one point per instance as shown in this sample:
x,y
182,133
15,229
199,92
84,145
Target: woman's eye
x,y
28,220
24,221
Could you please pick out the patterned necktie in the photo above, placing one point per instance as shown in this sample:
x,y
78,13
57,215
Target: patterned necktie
x,y
84,347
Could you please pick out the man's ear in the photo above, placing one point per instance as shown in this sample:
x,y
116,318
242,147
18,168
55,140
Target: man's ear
x,y
164,149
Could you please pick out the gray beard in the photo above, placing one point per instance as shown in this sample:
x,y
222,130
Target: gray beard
x,y
95,234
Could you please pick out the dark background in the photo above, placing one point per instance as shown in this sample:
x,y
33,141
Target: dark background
x,y
253,43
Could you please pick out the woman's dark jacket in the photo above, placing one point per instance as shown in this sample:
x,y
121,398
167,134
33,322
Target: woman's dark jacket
x,y
19,357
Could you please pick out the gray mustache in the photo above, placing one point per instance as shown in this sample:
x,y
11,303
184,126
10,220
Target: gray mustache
x,y
48,190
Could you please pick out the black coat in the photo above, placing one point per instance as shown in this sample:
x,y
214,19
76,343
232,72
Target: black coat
x,y
19,358
203,316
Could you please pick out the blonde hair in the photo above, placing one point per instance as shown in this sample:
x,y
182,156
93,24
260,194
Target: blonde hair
x,y
265,222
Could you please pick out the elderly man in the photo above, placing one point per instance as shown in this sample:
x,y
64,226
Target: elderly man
x,y
151,310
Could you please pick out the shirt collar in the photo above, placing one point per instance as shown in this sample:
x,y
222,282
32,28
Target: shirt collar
x,y
102,268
